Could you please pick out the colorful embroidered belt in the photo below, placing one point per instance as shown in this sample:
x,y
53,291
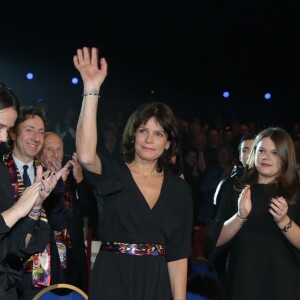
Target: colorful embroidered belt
x,y
135,249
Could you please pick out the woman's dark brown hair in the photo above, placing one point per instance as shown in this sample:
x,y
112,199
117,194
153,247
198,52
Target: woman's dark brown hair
x,y
8,98
287,184
165,117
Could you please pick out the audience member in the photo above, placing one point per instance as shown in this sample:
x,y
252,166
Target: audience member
x,y
21,232
199,142
244,149
67,129
213,142
26,140
214,173
257,223
111,138
76,195
193,177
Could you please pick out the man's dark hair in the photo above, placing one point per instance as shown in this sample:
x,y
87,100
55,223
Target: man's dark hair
x,y
27,112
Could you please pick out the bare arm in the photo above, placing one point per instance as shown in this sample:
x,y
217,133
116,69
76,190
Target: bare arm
x,y
178,278
23,206
93,72
234,224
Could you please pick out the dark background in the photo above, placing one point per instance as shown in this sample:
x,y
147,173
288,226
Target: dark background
x,y
185,53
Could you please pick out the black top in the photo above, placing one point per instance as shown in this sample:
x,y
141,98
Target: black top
x,y
127,218
13,241
42,232
262,263
80,195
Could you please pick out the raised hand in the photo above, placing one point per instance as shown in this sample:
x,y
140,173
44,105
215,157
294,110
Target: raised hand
x,y
92,70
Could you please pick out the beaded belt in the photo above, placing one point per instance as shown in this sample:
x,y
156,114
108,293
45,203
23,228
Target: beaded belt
x,y
135,249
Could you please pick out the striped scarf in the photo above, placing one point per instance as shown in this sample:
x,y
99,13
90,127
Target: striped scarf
x,y
39,263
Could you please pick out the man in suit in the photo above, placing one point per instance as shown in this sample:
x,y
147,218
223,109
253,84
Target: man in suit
x,y
26,140
78,198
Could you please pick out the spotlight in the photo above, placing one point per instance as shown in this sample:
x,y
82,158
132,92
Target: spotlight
x,y
29,76
268,96
75,80
226,94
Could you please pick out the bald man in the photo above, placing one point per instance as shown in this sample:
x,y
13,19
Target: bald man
x,y
77,195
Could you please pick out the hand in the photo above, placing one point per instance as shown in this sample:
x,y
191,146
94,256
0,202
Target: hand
x,y
278,209
49,180
87,63
46,181
55,164
244,202
26,202
77,169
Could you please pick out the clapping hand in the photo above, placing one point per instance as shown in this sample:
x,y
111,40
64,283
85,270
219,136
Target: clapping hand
x,y
48,181
244,202
278,209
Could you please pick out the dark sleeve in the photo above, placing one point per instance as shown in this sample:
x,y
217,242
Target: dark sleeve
x,y
6,197
179,245
4,229
85,196
294,214
54,206
227,205
39,231
15,248
109,181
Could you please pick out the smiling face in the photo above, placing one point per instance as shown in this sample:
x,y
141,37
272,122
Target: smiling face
x,y
8,117
150,140
267,161
28,138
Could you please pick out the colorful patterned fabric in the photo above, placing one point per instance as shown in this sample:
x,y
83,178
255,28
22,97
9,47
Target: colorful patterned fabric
x,y
135,249
39,263
41,270
60,240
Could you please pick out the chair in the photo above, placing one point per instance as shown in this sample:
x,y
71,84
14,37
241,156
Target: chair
x,y
192,296
71,292
200,265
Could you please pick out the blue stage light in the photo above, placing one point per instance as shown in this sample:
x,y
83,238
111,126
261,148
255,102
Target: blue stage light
x,y
29,76
268,96
226,94
74,80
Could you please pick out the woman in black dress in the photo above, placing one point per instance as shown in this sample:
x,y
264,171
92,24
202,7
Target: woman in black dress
x,y
257,222
145,210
